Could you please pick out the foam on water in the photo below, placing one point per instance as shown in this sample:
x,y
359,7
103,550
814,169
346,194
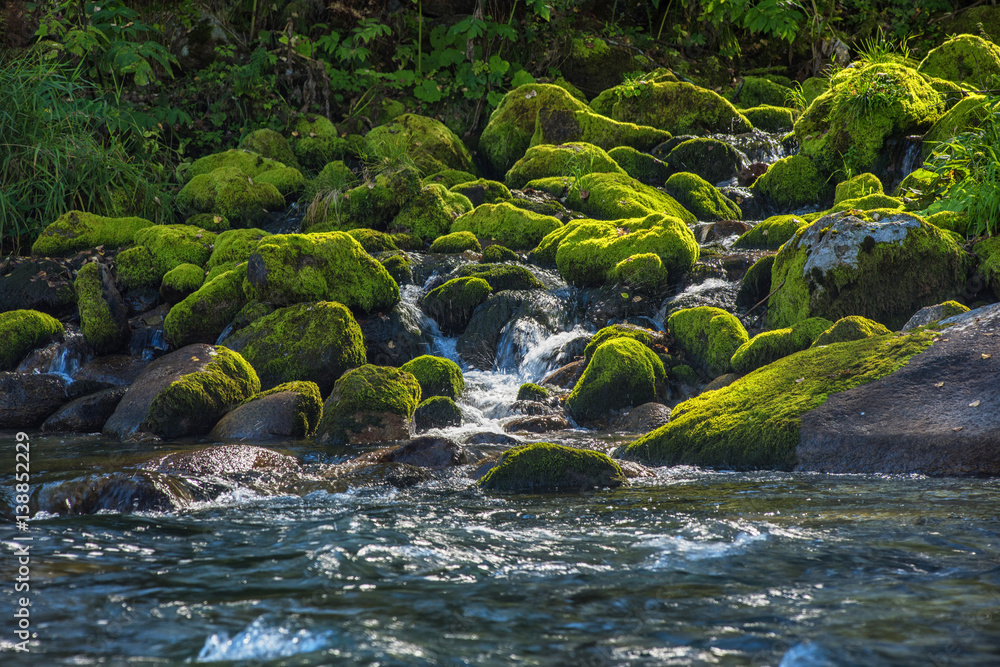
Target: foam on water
x,y
261,641
675,548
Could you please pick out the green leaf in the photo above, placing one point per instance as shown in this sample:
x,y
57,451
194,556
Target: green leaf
x,y
427,91
521,78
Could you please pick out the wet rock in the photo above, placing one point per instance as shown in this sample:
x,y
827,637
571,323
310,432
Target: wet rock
x,y
634,469
86,414
274,415
713,293
642,419
488,438
133,491
394,337
63,357
567,376
751,173
452,304
40,284
369,404
531,408
399,475
437,412
117,370
544,466
930,314
148,338
139,300
622,372
478,343
537,424
26,399
711,159
222,460
426,452
22,331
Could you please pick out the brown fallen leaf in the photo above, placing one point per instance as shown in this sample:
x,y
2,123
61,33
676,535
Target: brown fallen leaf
x,y
974,404
958,428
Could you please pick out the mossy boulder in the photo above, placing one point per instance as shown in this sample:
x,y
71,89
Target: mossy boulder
x,y
543,466
399,267
212,222
285,269
769,346
793,182
643,273
437,412
502,277
622,372
849,264
771,234
287,180
770,118
103,316
315,141
371,205
431,212
567,159
75,230
613,197
560,125
21,331
429,142
757,90
437,376
754,422
866,105
701,198
529,391
333,177
181,282
249,163
456,242
158,250
678,108
966,115
858,186
637,333
516,228
852,327
290,410
931,314
643,167
713,160
496,254
234,245
813,87
967,60
952,221
449,178
316,342
483,191
202,316
451,304
373,241
594,64
870,202
369,404
231,193
709,336
270,144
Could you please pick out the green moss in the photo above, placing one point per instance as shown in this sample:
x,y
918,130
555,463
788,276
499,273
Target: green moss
x,y
792,182
399,268
622,372
529,391
219,269
437,376
813,87
644,272
270,144
429,142
569,88
496,254
952,308
212,222
617,196
158,250
308,405
235,246
837,267
229,192
431,213
769,346
317,342
852,327
372,205
588,254
202,316
861,185
701,198
964,59
869,203
564,160
452,303
437,412
757,90
988,254
771,234
632,331
770,118
249,163
361,395
641,166
483,191
709,158
964,116
181,281
678,108
557,126
334,175
502,276
709,336
543,466
456,242
315,141
953,221
194,403
21,331
75,230
373,241
919,189
449,178
136,267
754,422
504,223
291,268
289,181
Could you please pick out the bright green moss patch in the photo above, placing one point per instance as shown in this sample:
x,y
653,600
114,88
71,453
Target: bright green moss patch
x,y
315,141
529,391
678,108
495,254
769,346
437,412
952,308
616,196
622,372
21,331
852,327
399,267
754,422
701,198
556,126
793,182
452,303
502,276
870,202
644,336
231,193
308,405
136,267
429,142
270,144
437,376
361,395
861,185
449,178
456,242
543,466
431,212
770,118
643,272
967,114
504,223
287,180
202,316
757,90
771,234
172,245
75,230
373,241
249,163
709,336
181,281
212,222
968,60
194,404
567,159
235,245
641,166
483,191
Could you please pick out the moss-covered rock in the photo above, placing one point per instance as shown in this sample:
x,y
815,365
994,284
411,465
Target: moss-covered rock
x,y
181,281
158,250
769,346
437,376
678,108
369,404
771,234
315,141
234,245
622,372
866,105
514,227
249,163
431,212
21,331
594,64
701,198
643,273
231,193
953,221
316,342
202,316
212,222
558,126
616,196
870,202
848,264
770,118
429,142
456,242
306,410
637,333
529,391
568,159
103,316
286,269
437,412
643,167
713,160
287,180
449,178
399,267
483,191
270,144
373,241
754,422
861,185
543,466
967,114
793,182
710,337
813,87
988,254
967,60
334,176
451,304
757,90
371,205
75,230
852,327
502,276
496,254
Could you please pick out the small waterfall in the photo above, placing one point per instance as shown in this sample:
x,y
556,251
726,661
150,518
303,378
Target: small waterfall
x,y
63,358
755,146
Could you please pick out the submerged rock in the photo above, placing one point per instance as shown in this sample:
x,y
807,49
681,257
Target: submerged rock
x,y
437,412
426,452
545,466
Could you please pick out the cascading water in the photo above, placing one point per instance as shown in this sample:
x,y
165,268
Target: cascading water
x,y
63,358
